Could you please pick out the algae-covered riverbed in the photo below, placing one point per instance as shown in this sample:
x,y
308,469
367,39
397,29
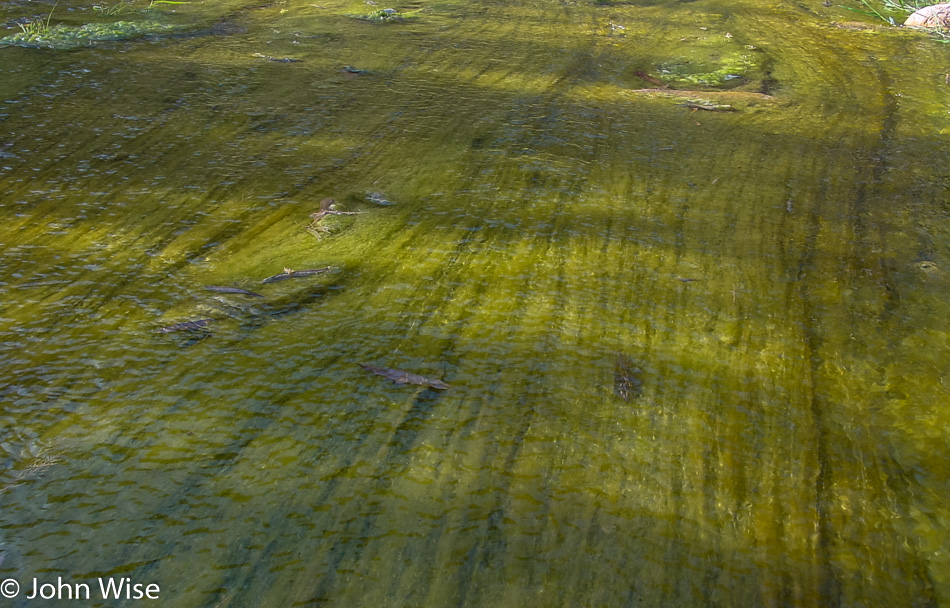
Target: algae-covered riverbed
x,y
683,266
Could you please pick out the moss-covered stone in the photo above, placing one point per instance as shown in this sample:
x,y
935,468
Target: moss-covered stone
x,y
711,62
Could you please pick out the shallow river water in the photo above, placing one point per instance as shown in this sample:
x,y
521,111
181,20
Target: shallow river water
x,y
698,356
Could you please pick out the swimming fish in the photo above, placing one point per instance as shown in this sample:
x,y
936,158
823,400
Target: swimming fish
x,y
628,382
655,81
379,198
295,274
277,59
238,290
326,208
400,377
186,326
708,107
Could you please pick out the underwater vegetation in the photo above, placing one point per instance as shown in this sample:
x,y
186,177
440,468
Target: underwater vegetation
x,y
40,34
886,10
915,14
63,37
124,7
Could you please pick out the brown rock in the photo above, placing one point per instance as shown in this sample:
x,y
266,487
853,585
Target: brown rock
x,y
936,15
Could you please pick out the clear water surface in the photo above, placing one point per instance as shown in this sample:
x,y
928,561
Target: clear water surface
x,y
697,355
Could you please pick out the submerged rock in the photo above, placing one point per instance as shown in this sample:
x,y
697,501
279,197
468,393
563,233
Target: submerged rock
x,y
936,15
711,61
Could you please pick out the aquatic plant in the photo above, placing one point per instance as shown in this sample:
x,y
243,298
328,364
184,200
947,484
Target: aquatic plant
x,y
41,34
120,8
62,37
128,6
36,28
901,8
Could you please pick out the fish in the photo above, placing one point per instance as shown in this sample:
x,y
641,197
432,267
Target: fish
x,y
186,326
379,198
237,290
711,95
628,381
277,59
400,377
709,108
644,76
296,274
326,208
